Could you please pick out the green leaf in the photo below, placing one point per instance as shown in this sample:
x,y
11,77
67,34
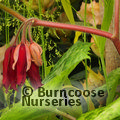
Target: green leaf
x,y
113,79
2,97
19,112
108,13
110,112
59,75
69,61
100,41
68,10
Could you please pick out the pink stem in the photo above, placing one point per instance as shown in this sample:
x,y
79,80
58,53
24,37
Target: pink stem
x,y
29,32
80,28
23,39
12,12
16,37
60,25
27,22
73,27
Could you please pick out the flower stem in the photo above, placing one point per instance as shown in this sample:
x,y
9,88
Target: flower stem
x,y
16,37
29,31
66,26
29,21
73,27
44,70
12,12
86,74
60,25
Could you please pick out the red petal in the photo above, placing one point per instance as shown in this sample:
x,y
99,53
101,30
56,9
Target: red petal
x,y
6,81
28,56
15,56
21,65
33,74
12,73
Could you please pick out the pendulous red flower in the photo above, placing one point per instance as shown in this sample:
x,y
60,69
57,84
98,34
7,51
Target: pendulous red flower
x,y
22,61
33,74
9,75
17,62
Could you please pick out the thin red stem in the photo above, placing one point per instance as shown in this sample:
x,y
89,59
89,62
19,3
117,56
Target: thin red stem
x,y
16,37
69,26
23,39
59,25
73,27
79,28
12,12
29,31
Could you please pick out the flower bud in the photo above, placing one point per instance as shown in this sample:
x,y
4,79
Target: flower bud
x,y
36,52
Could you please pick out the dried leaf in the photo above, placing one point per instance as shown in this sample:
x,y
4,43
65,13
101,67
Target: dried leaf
x,y
93,9
94,80
34,4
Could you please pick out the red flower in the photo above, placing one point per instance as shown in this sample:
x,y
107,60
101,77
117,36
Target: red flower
x,y
33,74
16,64
9,75
22,61
17,61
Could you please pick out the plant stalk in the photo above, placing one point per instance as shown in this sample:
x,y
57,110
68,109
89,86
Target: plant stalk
x,y
12,12
43,44
65,26
86,74
59,25
73,27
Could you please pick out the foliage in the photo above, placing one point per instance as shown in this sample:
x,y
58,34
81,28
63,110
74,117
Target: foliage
x,y
103,114
64,53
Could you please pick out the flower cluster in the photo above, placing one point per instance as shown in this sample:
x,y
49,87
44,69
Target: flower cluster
x,y
21,60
